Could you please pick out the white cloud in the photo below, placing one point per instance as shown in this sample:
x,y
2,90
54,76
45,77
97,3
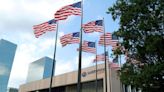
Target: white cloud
x,y
100,17
29,49
7,5
86,60
23,14
64,66
23,57
17,18
71,65
16,81
45,44
61,34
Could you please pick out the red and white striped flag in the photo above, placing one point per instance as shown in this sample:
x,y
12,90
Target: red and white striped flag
x,y
73,9
114,66
108,38
93,26
101,57
71,38
44,27
89,47
115,44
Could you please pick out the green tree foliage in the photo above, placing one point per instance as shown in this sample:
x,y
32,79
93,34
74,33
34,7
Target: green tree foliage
x,y
142,31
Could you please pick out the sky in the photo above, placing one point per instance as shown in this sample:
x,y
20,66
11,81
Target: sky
x,y
17,18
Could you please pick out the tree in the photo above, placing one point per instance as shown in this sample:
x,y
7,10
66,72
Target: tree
x,y
142,31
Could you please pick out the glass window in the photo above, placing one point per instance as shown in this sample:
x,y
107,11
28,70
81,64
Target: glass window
x,y
86,87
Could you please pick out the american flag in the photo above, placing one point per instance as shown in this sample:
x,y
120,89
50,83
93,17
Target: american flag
x,y
114,41
73,9
71,38
93,26
101,57
108,38
114,44
114,66
89,47
44,27
115,60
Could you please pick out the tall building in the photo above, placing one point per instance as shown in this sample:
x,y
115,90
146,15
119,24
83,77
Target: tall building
x,y
39,69
7,53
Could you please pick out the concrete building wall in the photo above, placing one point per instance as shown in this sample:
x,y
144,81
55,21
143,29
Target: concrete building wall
x,y
88,74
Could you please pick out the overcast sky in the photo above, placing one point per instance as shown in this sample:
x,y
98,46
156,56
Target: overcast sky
x,y
17,18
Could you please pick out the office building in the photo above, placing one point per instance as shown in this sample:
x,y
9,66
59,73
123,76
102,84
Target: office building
x,y
67,82
7,53
12,90
39,69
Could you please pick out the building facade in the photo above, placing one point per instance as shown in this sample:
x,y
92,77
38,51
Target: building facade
x,y
39,69
12,90
68,82
7,53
